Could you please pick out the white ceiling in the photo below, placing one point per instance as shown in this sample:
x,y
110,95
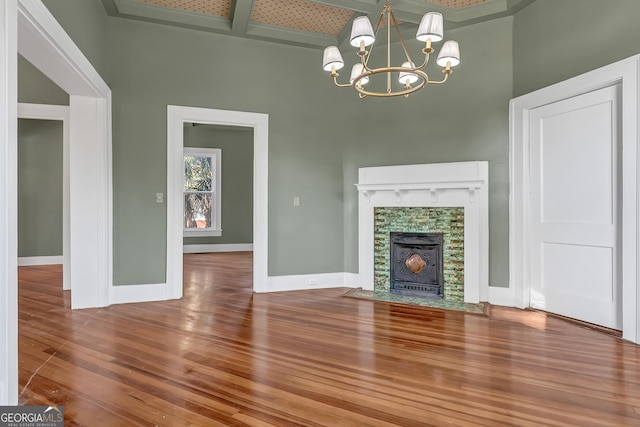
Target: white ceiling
x,y
312,23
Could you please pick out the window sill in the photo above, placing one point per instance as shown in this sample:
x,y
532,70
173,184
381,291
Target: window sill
x,y
202,233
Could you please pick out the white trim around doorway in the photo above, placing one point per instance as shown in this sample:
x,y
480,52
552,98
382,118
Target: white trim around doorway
x,y
176,117
8,204
625,73
44,43
27,27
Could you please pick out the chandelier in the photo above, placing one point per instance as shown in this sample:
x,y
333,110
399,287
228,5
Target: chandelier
x,y
409,77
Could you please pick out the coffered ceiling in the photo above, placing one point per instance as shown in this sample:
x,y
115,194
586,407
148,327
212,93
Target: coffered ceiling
x,y
313,23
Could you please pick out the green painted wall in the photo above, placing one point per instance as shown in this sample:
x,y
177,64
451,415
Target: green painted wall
x,y
237,180
320,135
35,88
39,164
39,232
85,21
152,66
39,188
39,167
40,142
554,40
465,119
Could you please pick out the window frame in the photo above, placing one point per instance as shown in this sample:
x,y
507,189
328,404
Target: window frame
x,y
216,215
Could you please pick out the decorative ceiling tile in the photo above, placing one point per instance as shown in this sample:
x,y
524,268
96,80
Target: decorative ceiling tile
x,y
456,4
209,7
301,15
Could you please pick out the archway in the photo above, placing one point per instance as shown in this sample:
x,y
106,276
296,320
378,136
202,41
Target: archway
x,y
27,27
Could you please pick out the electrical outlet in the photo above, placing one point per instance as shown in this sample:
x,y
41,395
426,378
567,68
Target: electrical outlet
x,y
296,201
159,197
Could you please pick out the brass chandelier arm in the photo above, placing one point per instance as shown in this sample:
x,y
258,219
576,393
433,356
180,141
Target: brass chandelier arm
x,y
424,64
335,80
431,82
427,49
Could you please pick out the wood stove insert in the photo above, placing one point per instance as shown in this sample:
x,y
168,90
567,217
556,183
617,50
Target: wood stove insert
x,y
416,265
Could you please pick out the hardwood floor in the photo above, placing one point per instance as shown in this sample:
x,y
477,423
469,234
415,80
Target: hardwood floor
x,y
223,356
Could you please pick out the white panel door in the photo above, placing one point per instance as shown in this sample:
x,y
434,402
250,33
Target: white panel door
x,y
574,208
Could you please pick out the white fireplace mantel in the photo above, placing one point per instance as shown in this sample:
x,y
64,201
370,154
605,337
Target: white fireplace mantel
x,y
462,184
432,188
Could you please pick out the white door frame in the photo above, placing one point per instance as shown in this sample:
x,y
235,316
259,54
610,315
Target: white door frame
x,y
44,43
27,27
58,113
8,204
626,74
176,117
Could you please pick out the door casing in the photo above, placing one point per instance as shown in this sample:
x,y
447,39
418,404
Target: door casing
x,y
27,27
626,74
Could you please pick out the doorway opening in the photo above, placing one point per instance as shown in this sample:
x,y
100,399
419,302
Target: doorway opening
x,y
177,117
43,200
218,192
30,30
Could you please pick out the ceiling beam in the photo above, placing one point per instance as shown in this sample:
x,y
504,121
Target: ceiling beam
x,y
241,16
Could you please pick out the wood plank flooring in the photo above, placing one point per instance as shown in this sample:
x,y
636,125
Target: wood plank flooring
x,y
223,356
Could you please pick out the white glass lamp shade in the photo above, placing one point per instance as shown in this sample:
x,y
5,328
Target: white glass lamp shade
x,y
450,53
362,30
356,70
404,76
332,58
431,27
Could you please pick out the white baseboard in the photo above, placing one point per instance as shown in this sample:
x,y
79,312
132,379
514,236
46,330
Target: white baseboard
x,y
501,296
310,281
124,294
39,260
229,247
351,280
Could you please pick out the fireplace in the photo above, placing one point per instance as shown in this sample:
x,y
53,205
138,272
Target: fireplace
x,y
416,265
427,198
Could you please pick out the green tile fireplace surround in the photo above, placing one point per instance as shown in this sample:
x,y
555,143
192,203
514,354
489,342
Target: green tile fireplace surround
x,y
448,221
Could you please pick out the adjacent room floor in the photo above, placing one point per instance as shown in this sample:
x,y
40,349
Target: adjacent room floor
x,y
223,356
